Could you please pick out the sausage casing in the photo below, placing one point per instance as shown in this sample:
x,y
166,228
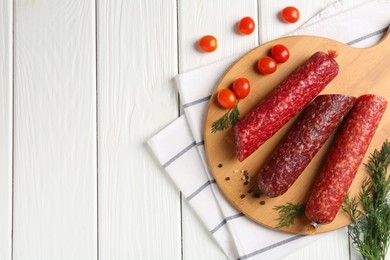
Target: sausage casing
x,y
302,142
287,99
344,159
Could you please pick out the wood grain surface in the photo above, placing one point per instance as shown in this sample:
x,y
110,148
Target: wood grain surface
x,y
55,196
139,208
6,69
358,75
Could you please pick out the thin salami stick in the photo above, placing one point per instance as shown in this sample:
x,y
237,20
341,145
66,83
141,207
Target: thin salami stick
x,y
344,159
302,142
287,99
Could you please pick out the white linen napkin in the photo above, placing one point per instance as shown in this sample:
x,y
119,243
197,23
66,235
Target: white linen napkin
x,y
179,147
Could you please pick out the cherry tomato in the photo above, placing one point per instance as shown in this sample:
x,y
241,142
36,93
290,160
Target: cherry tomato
x,y
290,14
246,25
280,53
208,43
226,98
241,87
266,65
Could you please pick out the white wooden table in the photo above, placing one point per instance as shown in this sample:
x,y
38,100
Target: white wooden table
x,y
83,85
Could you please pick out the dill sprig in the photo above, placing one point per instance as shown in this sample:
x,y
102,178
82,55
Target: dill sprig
x,y
288,213
221,124
234,115
351,207
370,227
230,118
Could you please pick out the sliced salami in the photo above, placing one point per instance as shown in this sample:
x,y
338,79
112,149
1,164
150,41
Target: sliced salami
x,y
287,99
344,159
302,142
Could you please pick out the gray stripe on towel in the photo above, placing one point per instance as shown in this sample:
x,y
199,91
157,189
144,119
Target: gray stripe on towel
x,y
196,101
177,156
381,31
197,191
225,221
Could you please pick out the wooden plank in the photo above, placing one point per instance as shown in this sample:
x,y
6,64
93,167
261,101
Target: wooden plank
x,y
271,25
139,208
55,189
6,50
196,19
219,18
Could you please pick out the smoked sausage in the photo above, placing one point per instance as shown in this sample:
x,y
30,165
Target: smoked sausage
x,y
344,159
287,99
302,142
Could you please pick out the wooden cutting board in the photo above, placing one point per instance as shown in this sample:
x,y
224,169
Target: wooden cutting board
x,y
362,71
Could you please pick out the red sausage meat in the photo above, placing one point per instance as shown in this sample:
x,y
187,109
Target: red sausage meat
x,y
302,142
287,99
344,159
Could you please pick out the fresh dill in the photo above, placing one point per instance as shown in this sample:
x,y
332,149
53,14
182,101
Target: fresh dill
x,y
230,118
370,213
234,115
288,213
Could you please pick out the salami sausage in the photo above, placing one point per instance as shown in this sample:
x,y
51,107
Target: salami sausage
x,y
302,142
287,99
344,159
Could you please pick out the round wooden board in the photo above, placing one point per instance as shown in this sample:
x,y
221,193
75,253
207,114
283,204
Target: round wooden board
x,y
362,71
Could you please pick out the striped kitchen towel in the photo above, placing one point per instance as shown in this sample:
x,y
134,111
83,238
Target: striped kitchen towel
x,y
179,147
